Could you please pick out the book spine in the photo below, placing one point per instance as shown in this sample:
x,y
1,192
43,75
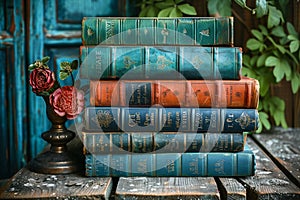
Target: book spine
x,y
155,119
159,31
160,62
162,142
170,93
172,164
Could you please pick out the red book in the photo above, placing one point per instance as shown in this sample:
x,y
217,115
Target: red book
x,y
242,93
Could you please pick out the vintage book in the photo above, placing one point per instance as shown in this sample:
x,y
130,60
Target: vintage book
x,y
159,119
161,142
242,93
160,62
158,31
171,164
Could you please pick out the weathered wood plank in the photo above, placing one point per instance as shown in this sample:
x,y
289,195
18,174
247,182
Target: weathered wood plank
x,y
284,147
167,188
269,182
231,189
26,184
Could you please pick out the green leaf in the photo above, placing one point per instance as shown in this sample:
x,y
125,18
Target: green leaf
x,y
292,37
32,67
152,11
187,9
263,29
261,8
294,46
264,119
165,12
295,83
175,12
144,12
74,64
65,65
278,31
280,48
261,60
163,5
241,3
248,72
63,75
271,61
278,102
178,1
212,6
291,29
278,73
253,44
45,59
223,8
274,17
257,34
264,86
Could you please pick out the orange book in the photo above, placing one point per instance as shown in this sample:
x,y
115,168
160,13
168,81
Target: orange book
x,y
242,93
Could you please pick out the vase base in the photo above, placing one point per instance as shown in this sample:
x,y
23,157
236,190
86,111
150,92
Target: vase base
x,y
56,163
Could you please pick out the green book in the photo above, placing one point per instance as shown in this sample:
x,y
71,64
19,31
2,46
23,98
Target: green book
x,y
159,31
160,62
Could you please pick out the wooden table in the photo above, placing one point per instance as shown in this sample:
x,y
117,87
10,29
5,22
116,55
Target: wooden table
x,y
277,177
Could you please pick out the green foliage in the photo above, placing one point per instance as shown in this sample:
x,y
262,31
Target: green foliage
x,y
39,63
274,48
165,8
274,54
67,69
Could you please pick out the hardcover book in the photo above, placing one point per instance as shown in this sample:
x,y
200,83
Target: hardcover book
x,y
171,164
160,62
242,93
157,31
161,142
159,119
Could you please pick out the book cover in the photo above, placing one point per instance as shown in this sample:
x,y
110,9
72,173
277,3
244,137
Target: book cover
x,y
161,142
160,31
242,93
160,62
219,164
158,119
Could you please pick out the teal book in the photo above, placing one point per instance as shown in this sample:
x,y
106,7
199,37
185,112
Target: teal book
x,y
162,142
192,164
160,62
158,119
207,31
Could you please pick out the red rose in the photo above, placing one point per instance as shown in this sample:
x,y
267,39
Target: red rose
x,y
67,101
41,79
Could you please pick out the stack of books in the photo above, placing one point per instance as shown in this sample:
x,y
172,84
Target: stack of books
x,y
166,98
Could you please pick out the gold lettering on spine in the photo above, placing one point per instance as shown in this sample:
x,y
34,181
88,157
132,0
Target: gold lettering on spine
x,y
177,119
229,120
184,120
109,29
142,165
98,59
213,121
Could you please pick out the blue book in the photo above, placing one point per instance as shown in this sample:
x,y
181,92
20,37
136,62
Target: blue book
x,y
160,62
157,119
162,142
218,164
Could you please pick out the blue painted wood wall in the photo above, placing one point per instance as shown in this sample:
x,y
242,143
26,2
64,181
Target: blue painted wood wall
x,y
30,30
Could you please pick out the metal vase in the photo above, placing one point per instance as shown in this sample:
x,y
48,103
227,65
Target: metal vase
x,y
57,160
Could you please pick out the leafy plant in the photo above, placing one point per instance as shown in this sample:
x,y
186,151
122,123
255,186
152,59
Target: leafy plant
x,y
273,55
165,8
273,51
